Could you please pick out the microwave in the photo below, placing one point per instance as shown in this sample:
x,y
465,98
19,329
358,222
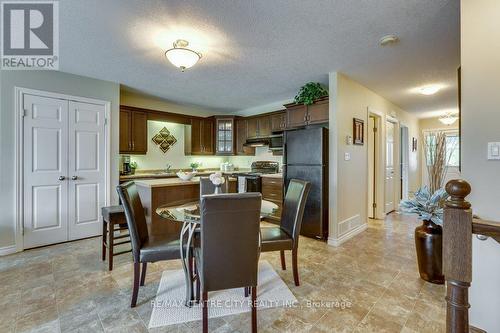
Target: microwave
x,y
276,142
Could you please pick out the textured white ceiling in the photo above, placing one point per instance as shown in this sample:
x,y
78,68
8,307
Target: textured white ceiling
x,y
259,51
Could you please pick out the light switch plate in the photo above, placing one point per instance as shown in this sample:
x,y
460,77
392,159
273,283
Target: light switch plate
x,y
493,150
347,156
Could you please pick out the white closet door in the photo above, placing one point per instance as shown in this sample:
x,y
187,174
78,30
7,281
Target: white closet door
x,y
86,169
45,170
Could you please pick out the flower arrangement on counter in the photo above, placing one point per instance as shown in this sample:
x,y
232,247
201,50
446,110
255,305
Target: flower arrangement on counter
x,y
217,179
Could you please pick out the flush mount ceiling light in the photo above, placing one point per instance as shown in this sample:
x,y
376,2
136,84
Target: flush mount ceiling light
x,y
430,89
448,118
182,57
388,40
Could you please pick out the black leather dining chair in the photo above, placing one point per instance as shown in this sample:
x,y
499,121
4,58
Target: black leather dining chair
x,y
207,187
286,236
146,247
228,253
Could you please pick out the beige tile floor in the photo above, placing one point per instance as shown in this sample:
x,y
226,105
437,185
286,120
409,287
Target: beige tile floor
x,y
66,288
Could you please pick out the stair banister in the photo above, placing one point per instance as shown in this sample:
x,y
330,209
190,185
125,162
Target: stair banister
x,y
457,255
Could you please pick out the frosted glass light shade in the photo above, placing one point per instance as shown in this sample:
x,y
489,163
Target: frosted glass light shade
x,y
182,57
448,119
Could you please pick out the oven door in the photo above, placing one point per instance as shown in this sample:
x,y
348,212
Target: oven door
x,y
252,183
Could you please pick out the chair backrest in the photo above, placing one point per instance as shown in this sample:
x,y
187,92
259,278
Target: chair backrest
x,y
134,214
293,207
207,187
230,236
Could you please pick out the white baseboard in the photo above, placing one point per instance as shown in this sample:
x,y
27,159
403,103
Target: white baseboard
x,y
348,235
7,250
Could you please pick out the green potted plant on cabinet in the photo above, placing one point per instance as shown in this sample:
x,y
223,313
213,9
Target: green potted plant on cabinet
x,y
310,92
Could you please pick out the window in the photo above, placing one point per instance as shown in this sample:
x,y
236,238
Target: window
x,y
452,151
452,142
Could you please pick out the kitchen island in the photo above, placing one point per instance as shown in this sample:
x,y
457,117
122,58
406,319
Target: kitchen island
x,y
160,192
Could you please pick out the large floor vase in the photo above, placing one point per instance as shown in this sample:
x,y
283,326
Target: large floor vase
x,y
429,245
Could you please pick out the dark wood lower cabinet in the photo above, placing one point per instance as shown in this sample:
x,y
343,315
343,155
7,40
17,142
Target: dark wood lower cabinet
x,y
272,190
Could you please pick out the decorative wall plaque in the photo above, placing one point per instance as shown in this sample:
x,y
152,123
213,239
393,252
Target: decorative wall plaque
x,y
358,130
164,140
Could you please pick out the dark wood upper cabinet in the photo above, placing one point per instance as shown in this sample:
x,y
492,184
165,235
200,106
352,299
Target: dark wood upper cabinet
x,y
224,136
202,136
259,126
252,128
125,128
139,132
299,115
264,125
278,122
318,112
208,136
196,146
133,132
296,115
241,137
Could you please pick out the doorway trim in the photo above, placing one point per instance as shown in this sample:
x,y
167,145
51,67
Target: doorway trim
x,y
19,93
379,178
396,162
404,155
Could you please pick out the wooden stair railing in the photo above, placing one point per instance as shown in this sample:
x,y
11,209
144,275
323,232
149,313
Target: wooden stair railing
x,y
458,227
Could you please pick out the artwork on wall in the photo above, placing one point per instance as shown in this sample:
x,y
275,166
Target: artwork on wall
x,y
414,144
164,140
358,131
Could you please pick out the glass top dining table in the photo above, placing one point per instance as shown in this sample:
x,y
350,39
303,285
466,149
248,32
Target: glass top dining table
x,y
188,213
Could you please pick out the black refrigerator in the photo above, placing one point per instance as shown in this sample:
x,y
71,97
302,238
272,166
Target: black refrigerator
x,y
306,158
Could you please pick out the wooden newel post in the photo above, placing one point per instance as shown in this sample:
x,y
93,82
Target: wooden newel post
x,y
457,256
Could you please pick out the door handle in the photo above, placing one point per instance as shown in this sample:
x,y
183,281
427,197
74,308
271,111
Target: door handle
x,y
62,178
74,177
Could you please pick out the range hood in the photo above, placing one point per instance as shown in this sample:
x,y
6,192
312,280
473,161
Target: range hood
x,y
257,142
275,142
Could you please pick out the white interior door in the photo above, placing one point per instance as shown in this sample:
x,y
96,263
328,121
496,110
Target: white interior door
x,y
389,168
45,170
86,169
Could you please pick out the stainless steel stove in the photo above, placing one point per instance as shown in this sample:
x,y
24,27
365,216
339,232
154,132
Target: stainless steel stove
x,y
251,181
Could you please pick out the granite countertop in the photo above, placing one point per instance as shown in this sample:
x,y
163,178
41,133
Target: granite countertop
x,y
172,174
165,182
272,175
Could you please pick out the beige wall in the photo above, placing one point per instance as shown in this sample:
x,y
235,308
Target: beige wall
x,y
150,102
435,124
50,81
349,179
480,54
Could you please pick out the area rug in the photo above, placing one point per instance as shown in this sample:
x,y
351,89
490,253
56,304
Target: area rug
x,y
169,309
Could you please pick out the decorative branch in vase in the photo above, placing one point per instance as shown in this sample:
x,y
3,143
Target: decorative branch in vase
x,y
428,204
